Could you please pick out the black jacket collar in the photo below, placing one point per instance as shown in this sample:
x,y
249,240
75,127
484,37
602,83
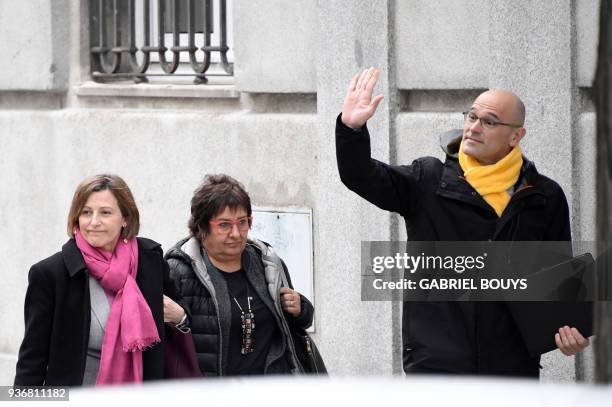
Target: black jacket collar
x,y
73,259
450,142
454,185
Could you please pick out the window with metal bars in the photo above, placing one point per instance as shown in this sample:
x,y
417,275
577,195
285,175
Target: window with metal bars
x,y
148,40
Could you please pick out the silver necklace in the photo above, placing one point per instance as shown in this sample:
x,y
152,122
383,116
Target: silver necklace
x,y
247,320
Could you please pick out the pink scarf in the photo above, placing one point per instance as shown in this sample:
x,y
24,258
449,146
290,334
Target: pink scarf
x,y
130,327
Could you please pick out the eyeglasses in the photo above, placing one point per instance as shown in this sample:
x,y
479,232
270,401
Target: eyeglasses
x,y
487,123
223,226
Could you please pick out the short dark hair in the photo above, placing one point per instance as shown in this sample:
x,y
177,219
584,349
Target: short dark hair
x,y
117,186
215,193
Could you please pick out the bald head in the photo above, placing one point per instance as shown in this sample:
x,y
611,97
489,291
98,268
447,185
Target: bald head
x,y
510,106
493,126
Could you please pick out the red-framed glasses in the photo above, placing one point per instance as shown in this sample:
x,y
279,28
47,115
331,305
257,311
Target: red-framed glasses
x,y
225,225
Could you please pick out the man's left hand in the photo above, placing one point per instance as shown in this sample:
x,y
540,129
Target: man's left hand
x,y
570,341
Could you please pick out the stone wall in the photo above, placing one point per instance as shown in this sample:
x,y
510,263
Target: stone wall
x,y
272,127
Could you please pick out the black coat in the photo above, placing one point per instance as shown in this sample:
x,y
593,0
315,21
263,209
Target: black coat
x,y
58,313
438,204
210,328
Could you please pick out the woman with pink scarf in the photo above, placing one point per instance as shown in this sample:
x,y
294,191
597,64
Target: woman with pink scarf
x,y
95,311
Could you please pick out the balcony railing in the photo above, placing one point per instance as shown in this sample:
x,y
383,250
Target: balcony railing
x,y
142,39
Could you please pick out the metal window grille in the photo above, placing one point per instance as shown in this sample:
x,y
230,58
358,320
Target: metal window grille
x,y
142,39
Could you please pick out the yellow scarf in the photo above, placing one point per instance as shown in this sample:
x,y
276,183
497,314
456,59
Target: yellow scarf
x,y
493,181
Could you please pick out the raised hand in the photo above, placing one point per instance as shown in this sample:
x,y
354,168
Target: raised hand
x,y
358,105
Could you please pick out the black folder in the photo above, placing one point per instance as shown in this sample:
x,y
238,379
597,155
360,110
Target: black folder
x,y
573,282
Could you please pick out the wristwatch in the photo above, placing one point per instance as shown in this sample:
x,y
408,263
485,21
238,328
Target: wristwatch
x,y
184,323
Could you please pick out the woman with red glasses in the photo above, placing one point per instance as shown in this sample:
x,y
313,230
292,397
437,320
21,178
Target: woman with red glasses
x,y
240,314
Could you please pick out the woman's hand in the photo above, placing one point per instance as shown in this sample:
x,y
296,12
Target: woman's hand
x,y
173,312
291,301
